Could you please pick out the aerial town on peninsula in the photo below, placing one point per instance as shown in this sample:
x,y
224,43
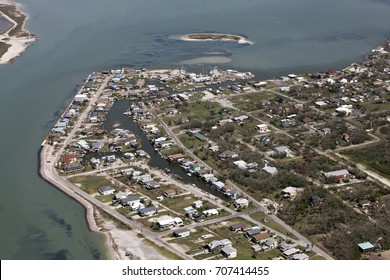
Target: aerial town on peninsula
x,y
222,165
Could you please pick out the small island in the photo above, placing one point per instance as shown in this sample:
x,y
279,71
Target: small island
x,y
215,37
14,39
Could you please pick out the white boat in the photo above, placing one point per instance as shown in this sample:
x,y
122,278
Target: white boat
x,y
127,113
189,174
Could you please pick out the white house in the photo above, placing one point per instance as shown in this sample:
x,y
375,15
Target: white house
x,y
210,212
241,164
181,233
106,190
262,128
197,204
229,252
241,202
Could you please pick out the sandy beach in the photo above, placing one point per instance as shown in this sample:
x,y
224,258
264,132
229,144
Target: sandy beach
x,y
18,42
242,40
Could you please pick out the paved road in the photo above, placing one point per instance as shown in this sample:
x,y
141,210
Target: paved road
x,y
302,240
49,173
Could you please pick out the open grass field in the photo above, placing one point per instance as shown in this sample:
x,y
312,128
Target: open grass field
x,y
90,184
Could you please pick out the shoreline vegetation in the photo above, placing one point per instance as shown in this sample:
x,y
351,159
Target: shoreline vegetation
x,y
15,40
216,37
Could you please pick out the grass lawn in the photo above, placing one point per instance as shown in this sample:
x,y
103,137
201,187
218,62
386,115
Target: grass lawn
x,y
373,107
201,111
126,211
105,198
178,203
251,102
90,184
260,216
154,193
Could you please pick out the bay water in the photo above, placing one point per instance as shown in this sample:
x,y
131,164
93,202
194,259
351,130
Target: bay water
x,y
77,37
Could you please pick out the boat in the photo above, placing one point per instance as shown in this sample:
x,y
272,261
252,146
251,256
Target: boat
x,y
189,174
128,112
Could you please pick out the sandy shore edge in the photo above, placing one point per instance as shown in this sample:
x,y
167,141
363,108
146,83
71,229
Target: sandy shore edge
x,y
121,244
17,44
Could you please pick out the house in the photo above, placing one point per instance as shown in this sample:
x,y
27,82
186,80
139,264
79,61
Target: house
x,y
282,150
289,192
262,128
110,158
201,137
252,231
241,164
166,222
129,156
120,195
210,212
127,171
197,204
72,167
170,193
181,232
284,246
291,252
320,104
83,144
142,153
68,159
240,226
285,89
270,243
227,154
225,121
131,200
94,162
175,157
260,237
270,169
190,211
213,148
148,211
338,174
227,189
106,190
218,185
241,118
366,247
256,248
229,252
151,185
137,206
241,203
300,257
218,244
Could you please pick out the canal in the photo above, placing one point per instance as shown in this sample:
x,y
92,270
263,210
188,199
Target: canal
x,y
116,119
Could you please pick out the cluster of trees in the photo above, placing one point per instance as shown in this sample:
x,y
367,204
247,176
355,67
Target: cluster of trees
x,y
376,156
312,165
261,184
367,190
339,225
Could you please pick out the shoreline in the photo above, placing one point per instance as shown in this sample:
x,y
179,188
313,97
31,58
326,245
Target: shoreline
x,y
118,242
241,39
89,210
19,42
